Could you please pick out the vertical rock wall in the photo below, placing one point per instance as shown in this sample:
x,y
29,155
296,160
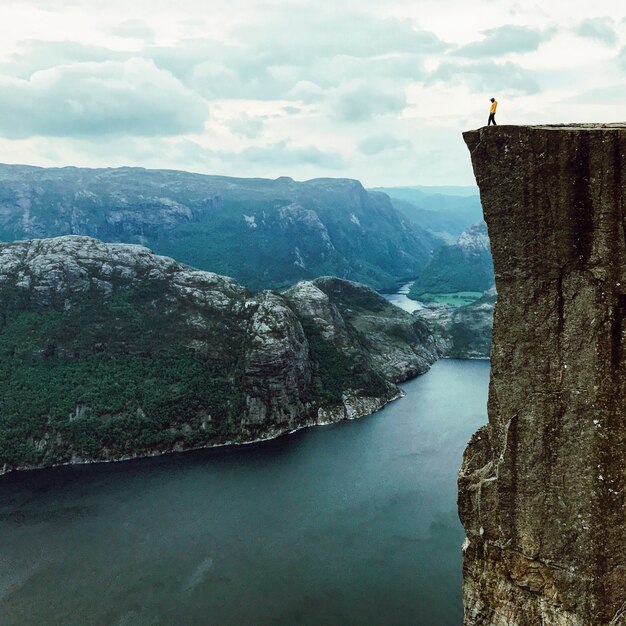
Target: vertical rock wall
x,y
542,486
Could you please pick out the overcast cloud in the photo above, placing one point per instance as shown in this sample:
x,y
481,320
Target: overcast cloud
x,y
497,42
379,91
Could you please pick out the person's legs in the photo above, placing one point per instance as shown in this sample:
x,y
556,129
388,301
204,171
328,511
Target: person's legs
x,y
491,119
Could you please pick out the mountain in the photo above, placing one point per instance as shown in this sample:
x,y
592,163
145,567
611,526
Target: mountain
x,y
446,190
108,351
464,266
264,233
461,332
444,211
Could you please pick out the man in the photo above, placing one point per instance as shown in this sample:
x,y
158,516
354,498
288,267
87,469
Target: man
x,y
492,112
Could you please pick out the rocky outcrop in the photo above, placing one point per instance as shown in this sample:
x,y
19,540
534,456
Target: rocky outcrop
x,y
397,344
264,233
108,351
461,332
464,266
542,487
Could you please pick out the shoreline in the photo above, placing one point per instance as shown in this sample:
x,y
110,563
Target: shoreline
x,y
270,437
325,418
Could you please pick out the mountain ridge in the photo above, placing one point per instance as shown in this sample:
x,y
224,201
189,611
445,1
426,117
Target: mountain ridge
x,y
265,233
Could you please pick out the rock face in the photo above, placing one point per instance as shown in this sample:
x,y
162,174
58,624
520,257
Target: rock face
x,y
464,266
461,332
109,351
542,488
264,233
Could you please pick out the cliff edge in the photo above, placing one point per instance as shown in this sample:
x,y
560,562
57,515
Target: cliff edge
x,y
542,486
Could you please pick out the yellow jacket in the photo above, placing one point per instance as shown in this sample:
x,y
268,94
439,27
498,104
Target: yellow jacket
x,y
494,104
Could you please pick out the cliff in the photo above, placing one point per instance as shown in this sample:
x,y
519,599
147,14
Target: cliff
x,y
108,351
267,234
542,487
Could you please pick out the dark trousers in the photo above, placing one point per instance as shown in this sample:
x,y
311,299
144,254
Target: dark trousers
x,y
492,118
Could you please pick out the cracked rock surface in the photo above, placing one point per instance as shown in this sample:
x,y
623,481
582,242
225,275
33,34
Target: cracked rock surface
x,y
542,485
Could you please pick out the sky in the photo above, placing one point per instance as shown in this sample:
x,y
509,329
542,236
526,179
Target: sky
x,y
378,91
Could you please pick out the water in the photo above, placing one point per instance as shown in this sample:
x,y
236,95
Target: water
x,y
349,524
401,299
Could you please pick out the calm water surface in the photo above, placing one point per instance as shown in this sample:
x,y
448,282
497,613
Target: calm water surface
x,y
401,299
349,524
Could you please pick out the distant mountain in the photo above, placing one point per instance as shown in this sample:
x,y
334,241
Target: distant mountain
x,y
446,190
465,266
108,351
264,233
445,211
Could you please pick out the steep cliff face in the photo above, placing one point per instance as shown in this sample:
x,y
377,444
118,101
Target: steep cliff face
x,y
542,488
109,351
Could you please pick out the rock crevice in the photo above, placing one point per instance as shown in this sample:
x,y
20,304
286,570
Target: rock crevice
x,y
541,489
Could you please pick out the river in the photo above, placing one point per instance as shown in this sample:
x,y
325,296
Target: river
x,y
349,524
401,299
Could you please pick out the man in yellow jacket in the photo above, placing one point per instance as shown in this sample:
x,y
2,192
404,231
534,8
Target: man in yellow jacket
x,y
492,112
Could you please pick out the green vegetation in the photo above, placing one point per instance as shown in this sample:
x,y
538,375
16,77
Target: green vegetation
x,y
338,371
106,380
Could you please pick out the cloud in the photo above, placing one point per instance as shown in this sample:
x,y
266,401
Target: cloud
x,y
505,40
603,96
280,156
383,142
360,100
622,58
306,91
488,76
598,28
133,97
304,33
283,49
33,55
247,126
289,46
132,29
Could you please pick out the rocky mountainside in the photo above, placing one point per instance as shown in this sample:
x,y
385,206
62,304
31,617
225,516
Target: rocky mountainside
x,y
264,233
461,332
542,487
464,266
108,351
